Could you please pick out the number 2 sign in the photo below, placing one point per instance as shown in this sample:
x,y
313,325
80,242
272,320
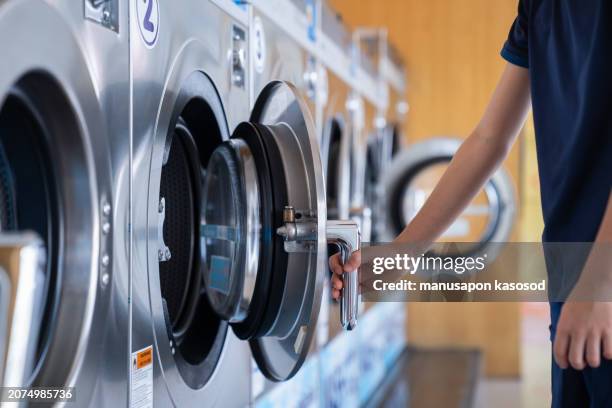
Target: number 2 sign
x,y
147,13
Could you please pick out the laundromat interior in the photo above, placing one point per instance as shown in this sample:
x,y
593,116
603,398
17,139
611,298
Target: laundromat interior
x,y
175,176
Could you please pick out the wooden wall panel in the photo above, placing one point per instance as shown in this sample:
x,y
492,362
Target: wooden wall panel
x,y
451,49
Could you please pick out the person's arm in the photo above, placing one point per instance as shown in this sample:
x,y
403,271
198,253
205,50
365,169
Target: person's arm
x,y
584,330
473,164
477,158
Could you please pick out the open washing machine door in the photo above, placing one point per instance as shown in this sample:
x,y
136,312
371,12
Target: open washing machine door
x,y
264,233
410,180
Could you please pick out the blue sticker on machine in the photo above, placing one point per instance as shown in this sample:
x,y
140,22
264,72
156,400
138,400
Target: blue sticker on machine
x,y
241,3
311,15
220,273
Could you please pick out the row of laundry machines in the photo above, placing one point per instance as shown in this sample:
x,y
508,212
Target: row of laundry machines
x,y
185,166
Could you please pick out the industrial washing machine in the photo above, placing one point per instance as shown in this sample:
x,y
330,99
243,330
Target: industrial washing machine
x,y
64,169
229,226
370,102
341,126
393,72
388,139
413,174
336,69
190,87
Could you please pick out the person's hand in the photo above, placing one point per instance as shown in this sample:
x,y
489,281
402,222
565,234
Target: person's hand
x,y
584,331
335,265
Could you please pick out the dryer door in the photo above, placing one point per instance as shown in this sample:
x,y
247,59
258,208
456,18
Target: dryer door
x,y
262,183
413,175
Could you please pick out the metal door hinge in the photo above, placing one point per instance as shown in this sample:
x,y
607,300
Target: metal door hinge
x,y
163,252
103,12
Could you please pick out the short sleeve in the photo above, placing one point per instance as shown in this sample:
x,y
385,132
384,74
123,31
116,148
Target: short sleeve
x,y
515,49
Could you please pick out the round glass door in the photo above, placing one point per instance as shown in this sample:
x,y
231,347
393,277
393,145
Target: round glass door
x,y
230,225
475,224
192,334
414,174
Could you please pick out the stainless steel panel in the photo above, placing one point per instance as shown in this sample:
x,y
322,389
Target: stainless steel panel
x,y
337,123
195,37
285,60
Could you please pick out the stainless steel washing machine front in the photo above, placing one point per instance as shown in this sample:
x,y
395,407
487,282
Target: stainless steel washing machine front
x,y
337,66
229,231
64,160
392,138
190,86
388,139
393,72
283,41
366,105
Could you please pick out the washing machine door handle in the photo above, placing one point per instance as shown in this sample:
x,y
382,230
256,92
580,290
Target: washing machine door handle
x,y
345,235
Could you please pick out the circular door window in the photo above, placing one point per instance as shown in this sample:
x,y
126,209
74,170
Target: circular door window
x,y
475,224
196,334
46,187
414,174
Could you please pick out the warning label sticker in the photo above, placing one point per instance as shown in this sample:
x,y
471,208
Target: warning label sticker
x,y
142,378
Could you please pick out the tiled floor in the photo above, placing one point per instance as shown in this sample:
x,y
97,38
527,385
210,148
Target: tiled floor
x,y
533,389
536,355
498,394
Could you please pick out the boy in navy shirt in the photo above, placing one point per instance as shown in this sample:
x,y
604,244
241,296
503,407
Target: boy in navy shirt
x,y
559,55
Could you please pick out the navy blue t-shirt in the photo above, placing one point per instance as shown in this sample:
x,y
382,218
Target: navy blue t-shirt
x,y
567,47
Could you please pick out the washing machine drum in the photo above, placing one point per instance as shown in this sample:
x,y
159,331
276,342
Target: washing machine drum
x,y
267,289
